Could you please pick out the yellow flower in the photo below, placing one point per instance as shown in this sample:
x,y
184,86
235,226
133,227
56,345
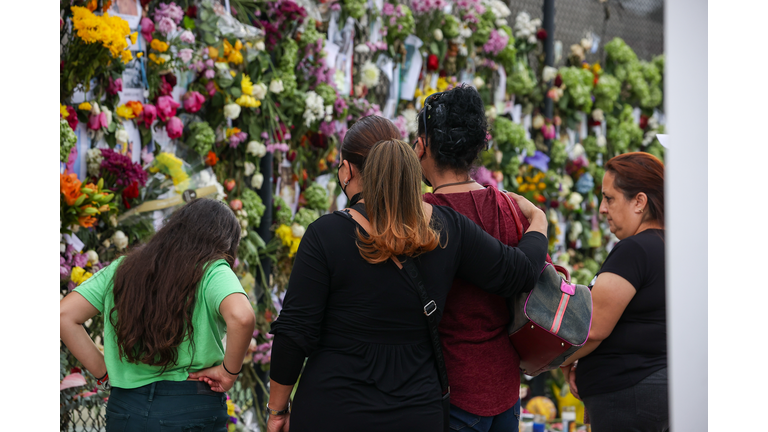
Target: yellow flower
x,y
111,32
63,111
79,275
230,408
125,112
126,56
232,73
596,68
585,65
542,186
156,59
235,57
139,54
442,84
238,45
159,45
172,166
519,179
227,48
85,106
246,85
248,101
285,234
134,36
213,53
232,131
417,93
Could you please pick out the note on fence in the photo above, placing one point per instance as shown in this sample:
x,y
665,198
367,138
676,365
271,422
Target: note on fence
x,y
663,139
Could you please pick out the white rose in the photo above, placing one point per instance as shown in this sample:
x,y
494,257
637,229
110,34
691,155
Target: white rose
x,y
411,116
491,112
276,86
578,151
259,46
549,73
106,243
62,247
597,115
249,168
331,186
121,136
575,199
256,148
532,39
586,43
120,240
538,121
93,257
601,141
113,220
95,110
221,66
478,82
297,230
232,111
369,74
438,35
463,51
165,57
257,180
576,230
259,91
108,113
362,49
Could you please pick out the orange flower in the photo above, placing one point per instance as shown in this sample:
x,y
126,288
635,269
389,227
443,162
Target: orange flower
x,y
70,187
211,159
86,221
92,5
540,198
135,106
106,6
322,165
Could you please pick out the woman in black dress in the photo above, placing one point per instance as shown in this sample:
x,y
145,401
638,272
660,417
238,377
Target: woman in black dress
x,y
353,311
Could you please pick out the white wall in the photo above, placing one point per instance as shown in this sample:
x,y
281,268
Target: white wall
x,y
685,28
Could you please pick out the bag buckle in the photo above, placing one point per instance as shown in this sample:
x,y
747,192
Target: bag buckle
x,y
430,308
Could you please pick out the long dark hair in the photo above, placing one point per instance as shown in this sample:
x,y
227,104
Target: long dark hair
x,y
637,172
155,286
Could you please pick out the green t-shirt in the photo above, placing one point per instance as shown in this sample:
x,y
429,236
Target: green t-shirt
x,y
218,282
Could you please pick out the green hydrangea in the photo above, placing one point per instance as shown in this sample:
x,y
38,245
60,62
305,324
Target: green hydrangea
x,y
512,167
619,52
484,27
403,26
306,216
201,137
557,154
656,149
253,205
282,211
597,172
510,137
67,140
506,57
591,147
310,35
450,26
317,197
355,8
289,83
623,133
658,61
607,92
578,86
290,55
521,82
326,92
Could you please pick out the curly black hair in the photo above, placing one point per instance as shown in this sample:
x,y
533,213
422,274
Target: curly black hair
x,y
457,127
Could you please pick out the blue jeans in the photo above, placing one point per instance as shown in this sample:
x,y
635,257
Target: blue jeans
x,y
508,421
167,406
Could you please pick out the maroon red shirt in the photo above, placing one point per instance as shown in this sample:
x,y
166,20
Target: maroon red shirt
x,y
483,367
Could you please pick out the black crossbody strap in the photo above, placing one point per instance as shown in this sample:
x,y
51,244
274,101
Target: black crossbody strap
x,y
429,307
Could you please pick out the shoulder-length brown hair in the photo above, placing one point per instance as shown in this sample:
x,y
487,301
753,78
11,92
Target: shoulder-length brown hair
x,y
637,172
155,287
391,180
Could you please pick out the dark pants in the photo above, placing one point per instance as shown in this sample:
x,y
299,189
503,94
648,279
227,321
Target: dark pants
x,y
167,406
641,408
508,421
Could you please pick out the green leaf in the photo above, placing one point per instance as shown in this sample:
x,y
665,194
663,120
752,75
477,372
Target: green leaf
x,y
209,39
433,48
256,238
236,93
204,14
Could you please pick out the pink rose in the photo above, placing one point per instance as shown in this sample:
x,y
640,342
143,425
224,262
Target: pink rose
x,y
114,86
174,127
96,122
147,27
209,73
166,25
211,87
187,37
166,107
149,114
185,55
193,101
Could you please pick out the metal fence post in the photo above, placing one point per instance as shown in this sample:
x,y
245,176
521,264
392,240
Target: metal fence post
x,y
549,52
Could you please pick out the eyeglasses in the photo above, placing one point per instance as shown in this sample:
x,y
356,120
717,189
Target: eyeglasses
x,y
427,107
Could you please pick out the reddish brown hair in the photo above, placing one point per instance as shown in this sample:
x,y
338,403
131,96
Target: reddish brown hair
x,y
640,172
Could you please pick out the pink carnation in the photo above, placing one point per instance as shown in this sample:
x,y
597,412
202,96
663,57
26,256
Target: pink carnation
x,y
193,101
496,42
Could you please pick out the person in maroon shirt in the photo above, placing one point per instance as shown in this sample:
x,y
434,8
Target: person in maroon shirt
x,y
483,367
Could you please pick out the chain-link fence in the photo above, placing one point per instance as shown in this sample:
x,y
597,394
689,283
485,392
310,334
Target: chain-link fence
x,y
639,22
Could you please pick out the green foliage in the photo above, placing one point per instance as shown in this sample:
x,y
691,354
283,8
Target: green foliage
x,y
282,211
578,89
317,197
67,140
450,27
607,92
623,133
306,216
201,137
253,205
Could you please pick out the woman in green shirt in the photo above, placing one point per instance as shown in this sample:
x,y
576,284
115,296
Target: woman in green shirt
x,y
167,305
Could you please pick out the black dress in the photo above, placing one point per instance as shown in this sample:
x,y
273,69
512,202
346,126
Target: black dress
x,y
370,365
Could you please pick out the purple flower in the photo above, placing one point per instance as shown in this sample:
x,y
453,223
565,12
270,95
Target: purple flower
x,y
237,138
209,63
335,7
277,147
402,125
122,168
264,135
166,25
80,260
340,105
389,9
484,176
171,11
326,128
496,42
209,73
539,160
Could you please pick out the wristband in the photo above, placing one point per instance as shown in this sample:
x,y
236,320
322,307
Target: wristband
x,y
225,368
277,413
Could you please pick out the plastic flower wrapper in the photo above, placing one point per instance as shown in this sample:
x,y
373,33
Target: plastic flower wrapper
x,y
201,137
